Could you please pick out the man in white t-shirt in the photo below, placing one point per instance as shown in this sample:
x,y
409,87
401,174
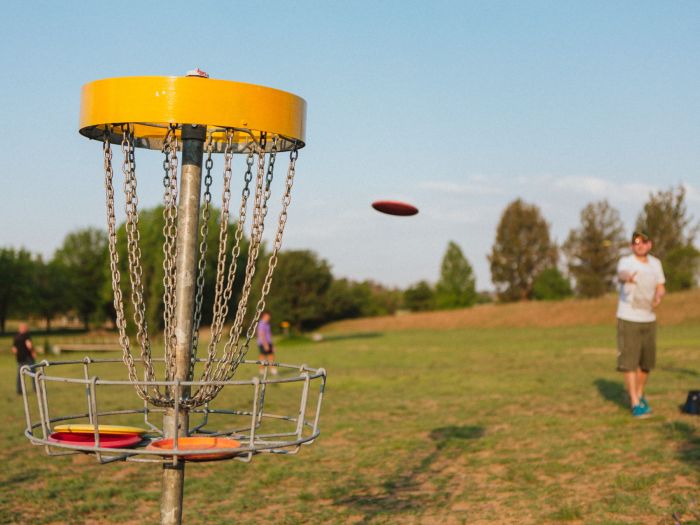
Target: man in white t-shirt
x,y
641,279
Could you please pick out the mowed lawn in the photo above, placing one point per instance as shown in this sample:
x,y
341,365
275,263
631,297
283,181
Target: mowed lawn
x,y
471,425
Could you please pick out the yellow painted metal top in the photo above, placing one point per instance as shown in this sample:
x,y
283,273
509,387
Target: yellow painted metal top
x,y
151,104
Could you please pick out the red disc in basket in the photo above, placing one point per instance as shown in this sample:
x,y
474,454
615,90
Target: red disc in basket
x,y
395,208
88,440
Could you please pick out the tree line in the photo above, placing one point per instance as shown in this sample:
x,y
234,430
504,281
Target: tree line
x,y
525,262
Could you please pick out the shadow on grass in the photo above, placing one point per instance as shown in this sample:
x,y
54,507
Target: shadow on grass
x,y
357,335
681,371
688,441
403,491
613,391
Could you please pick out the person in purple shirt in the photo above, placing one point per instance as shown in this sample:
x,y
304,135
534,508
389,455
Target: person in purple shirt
x,y
267,350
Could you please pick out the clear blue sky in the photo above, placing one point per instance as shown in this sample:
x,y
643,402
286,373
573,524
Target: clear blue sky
x,y
459,107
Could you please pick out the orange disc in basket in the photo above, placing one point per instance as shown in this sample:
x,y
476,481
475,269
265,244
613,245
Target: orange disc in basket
x,y
225,447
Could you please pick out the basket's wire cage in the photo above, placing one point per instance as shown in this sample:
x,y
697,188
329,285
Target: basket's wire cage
x,y
190,120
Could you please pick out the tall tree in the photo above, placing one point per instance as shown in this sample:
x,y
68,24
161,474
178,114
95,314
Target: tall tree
x,y
348,299
84,256
51,289
420,297
592,250
682,268
298,292
456,287
665,218
15,283
551,285
521,251
344,300
151,223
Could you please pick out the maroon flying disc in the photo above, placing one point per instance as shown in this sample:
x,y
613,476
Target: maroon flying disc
x,y
88,440
395,208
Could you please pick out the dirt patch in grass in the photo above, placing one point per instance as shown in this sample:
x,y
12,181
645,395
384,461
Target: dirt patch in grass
x,y
677,308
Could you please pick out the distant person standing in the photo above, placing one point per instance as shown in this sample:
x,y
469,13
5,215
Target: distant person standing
x,y
641,278
267,350
24,352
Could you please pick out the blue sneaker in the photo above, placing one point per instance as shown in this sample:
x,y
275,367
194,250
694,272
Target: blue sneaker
x,y
640,412
643,402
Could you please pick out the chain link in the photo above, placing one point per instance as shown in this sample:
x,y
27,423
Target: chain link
x,y
170,164
233,352
201,266
134,263
222,299
272,261
114,266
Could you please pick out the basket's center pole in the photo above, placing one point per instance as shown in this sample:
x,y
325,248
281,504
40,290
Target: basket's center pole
x,y
193,138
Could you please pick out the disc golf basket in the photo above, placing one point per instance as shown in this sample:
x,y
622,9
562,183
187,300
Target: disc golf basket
x,y
195,401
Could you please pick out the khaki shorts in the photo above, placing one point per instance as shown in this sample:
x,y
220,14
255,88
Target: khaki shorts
x,y
636,345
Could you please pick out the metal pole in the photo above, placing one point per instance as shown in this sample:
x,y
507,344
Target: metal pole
x,y
193,138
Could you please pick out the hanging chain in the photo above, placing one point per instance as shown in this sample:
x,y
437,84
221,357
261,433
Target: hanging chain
x,y
253,250
134,257
114,266
224,285
219,297
272,261
201,266
170,163
233,354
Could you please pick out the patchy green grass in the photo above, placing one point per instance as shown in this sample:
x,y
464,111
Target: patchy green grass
x,y
463,426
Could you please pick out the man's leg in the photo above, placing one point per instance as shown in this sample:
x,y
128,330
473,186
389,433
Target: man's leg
x,y
631,386
641,381
19,379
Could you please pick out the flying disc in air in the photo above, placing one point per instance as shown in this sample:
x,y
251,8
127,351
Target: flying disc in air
x,y
88,440
395,208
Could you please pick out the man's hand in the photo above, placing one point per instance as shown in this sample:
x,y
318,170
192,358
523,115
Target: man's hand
x,y
628,277
658,295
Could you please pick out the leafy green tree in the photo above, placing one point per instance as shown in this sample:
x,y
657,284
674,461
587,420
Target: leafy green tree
x,y
345,300
380,300
551,285
593,250
682,265
51,292
456,287
83,254
348,299
15,283
151,225
665,218
299,289
419,297
521,251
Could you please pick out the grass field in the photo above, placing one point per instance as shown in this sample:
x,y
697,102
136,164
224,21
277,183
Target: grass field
x,y
469,425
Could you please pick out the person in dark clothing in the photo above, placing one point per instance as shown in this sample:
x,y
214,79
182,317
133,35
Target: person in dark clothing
x,y
24,352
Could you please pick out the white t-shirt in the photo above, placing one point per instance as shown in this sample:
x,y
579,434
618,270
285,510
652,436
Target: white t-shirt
x,y
635,303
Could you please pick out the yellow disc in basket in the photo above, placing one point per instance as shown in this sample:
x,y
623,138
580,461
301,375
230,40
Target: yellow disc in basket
x,y
102,429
